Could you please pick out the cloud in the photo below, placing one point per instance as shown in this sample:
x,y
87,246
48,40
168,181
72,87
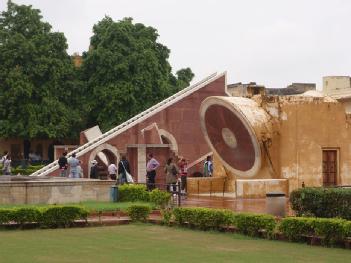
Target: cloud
x,y
271,42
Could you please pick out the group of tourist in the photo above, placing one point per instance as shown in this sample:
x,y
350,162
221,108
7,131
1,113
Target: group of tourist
x,y
174,172
74,165
5,161
71,167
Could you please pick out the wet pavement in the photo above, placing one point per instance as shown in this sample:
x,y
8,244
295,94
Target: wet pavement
x,y
231,203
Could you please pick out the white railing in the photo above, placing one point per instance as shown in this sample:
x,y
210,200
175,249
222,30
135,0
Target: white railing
x,y
128,124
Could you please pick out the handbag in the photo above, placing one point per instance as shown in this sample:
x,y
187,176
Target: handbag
x,y
128,175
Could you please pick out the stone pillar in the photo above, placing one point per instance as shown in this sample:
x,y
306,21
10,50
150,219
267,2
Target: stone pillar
x,y
141,164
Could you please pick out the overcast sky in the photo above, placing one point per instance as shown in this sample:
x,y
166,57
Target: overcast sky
x,y
272,42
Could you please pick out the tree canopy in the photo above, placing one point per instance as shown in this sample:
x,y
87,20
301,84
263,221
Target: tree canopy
x,y
127,71
39,93
42,93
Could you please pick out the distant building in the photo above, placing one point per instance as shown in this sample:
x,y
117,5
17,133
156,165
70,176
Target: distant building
x,y
77,59
339,88
293,89
248,90
245,90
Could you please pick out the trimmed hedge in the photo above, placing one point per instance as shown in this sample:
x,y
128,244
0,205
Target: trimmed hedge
x,y
62,216
137,192
133,193
322,202
55,216
26,171
159,198
206,218
26,215
295,228
253,224
138,212
331,231
203,218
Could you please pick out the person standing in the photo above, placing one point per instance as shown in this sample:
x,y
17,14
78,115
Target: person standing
x,y
80,170
63,164
6,169
112,171
183,170
123,169
94,172
151,167
208,167
3,159
171,171
73,165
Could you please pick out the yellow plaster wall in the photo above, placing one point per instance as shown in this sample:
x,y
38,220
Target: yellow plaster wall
x,y
306,130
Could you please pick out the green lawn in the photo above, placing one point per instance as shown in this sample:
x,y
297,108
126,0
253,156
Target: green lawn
x,y
92,206
152,243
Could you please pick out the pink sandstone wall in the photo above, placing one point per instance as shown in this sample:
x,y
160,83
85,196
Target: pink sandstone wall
x,y
180,119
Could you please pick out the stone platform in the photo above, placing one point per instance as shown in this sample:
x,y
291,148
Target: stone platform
x,y
52,190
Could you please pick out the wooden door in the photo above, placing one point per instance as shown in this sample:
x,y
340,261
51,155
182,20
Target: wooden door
x,y
330,168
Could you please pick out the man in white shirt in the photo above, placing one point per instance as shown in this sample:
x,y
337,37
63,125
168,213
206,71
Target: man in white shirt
x,y
73,164
112,171
4,158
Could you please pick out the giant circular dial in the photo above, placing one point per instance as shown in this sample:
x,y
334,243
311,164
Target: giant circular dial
x,y
230,126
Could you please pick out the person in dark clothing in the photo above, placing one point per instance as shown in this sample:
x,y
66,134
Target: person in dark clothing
x,y
123,167
94,172
63,165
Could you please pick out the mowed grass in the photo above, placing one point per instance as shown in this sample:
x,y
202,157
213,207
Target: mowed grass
x,y
92,206
152,243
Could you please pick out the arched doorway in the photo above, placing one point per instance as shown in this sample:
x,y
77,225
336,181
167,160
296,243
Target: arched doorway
x,y
105,154
168,138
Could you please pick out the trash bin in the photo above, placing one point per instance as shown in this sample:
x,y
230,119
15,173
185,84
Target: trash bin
x,y
114,193
276,203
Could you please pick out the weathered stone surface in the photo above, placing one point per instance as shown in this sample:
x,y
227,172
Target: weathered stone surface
x,y
54,191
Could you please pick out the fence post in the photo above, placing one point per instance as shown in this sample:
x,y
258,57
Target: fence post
x,y
179,194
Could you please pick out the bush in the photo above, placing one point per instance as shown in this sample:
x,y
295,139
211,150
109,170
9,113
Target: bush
x,y
62,216
294,228
203,218
139,212
322,202
330,230
56,216
159,198
26,171
25,215
6,215
167,215
252,224
347,229
133,193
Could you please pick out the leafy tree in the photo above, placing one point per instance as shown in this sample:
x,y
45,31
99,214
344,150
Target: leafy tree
x,y
39,94
127,71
